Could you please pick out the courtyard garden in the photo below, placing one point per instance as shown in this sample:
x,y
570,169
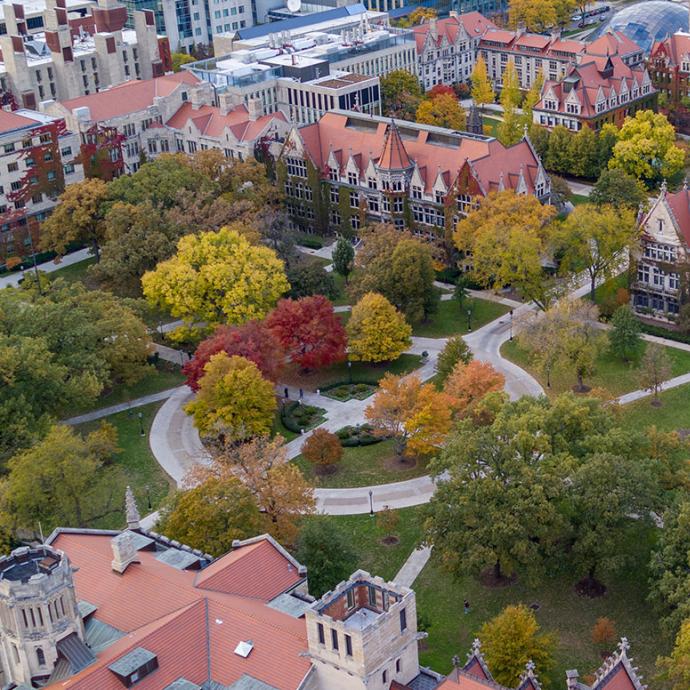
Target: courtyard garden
x,y
452,319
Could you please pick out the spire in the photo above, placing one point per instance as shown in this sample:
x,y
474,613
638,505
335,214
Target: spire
x,y
474,120
131,510
394,156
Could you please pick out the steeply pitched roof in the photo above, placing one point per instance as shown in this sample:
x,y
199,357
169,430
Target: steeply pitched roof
x,y
130,97
679,203
192,631
675,47
613,43
393,156
474,24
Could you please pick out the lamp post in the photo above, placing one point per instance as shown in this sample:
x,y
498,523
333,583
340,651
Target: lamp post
x,y
349,370
469,319
140,415
371,503
148,495
511,324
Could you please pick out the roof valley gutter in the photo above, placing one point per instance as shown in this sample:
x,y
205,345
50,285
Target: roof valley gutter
x,y
208,642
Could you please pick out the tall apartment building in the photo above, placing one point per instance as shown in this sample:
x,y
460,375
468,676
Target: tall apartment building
x,y
67,61
38,158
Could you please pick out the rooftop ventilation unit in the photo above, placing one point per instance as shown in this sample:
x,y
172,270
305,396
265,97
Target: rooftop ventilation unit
x,y
244,649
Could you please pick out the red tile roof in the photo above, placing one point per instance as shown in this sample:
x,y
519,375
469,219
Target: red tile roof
x,y
163,610
474,24
211,123
613,43
679,203
130,97
393,156
675,47
10,121
339,135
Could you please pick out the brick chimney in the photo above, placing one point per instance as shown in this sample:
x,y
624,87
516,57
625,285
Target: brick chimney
x,y
255,109
124,551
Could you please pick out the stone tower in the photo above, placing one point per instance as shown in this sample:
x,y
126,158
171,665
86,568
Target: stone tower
x,y
475,124
38,613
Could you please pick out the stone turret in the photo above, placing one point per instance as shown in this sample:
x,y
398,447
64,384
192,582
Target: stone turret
x,y
38,612
475,124
131,510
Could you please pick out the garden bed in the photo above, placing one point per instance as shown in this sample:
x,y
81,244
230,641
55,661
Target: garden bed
x,y
360,435
343,392
297,417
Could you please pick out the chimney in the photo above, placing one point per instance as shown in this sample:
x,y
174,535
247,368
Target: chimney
x,y
255,109
225,103
572,677
124,552
131,510
433,28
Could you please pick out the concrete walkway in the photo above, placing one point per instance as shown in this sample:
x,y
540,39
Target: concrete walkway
x,y
413,566
666,385
12,279
121,407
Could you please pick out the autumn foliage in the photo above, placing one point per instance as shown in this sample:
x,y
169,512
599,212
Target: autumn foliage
x,y
322,449
470,383
309,331
415,414
251,340
604,632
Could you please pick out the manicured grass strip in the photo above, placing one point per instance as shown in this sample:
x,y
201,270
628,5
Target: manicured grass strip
x,y
343,297
440,601
280,428
365,538
577,199
672,415
74,272
363,466
139,467
451,320
612,373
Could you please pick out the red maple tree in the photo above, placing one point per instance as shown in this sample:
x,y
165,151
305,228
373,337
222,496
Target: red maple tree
x,y
251,340
309,331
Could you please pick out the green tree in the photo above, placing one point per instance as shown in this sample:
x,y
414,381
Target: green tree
x,y
655,368
63,480
211,515
496,510
594,239
78,217
482,90
455,350
400,94
327,552
646,148
584,153
559,154
511,129
618,189
344,257
307,279
511,640
669,566
217,277
508,236
624,336
376,331
233,400
179,59
675,668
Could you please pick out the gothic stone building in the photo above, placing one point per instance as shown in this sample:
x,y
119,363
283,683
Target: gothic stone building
x,y
349,170
661,273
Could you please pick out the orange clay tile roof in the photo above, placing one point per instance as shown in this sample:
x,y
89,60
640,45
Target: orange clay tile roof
x,y
130,97
675,47
341,136
474,23
10,121
211,123
235,573
613,43
394,156
193,631
680,206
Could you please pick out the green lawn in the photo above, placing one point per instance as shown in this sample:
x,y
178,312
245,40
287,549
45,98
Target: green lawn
x,y
672,415
141,471
280,428
365,539
343,297
451,320
612,374
361,371
74,272
362,466
440,600
577,199
159,378
490,125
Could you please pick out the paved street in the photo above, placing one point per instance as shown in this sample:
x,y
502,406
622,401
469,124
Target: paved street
x,y
12,279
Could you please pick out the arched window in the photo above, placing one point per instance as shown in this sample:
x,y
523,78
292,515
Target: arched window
x,y
40,656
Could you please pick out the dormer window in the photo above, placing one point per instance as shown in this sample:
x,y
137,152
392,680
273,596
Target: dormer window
x,y
439,197
416,192
572,108
352,178
333,174
372,183
134,666
550,104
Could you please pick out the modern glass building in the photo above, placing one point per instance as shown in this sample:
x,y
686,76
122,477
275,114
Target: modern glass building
x,y
488,8
648,21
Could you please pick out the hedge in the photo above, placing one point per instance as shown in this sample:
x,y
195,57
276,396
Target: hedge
x,y
662,332
361,435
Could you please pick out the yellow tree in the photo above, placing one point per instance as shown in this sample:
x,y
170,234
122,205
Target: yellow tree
x,y
443,110
217,277
233,399
531,99
675,669
77,218
646,147
534,15
415,414
510,91
509,237
482,91
376,330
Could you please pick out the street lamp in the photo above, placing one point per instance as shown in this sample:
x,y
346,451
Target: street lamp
x,y
469,319
371,503
141,423
349,370
511,324
148,495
